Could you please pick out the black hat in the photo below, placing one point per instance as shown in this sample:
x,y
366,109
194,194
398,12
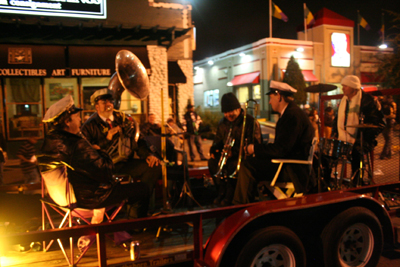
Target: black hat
x,y
189,106
229,102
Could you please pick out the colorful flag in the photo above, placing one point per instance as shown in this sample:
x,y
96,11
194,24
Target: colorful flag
x,y
308,16
363,23
277,13
381,32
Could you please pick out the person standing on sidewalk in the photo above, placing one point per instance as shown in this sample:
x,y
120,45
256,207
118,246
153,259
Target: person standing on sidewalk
x,y
191,123
389,110
26,154
3,157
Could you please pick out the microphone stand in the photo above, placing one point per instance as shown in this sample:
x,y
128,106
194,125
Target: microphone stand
x,y
186,191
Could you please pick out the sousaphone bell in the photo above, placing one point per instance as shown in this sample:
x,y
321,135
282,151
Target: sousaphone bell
x,y
130,75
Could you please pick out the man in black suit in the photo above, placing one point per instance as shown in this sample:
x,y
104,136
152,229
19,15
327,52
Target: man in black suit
x,y
293,137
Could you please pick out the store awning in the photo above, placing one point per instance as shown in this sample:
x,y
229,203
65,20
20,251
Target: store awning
x,y
247,78
370,77
84,32
175,73
309,76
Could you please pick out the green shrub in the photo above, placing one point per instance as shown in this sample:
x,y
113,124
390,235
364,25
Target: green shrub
x,y
210,120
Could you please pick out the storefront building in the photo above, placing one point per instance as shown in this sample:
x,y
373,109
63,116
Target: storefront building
x,y
326,56
43,58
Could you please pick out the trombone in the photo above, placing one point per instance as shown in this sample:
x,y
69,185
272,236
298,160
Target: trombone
x,y
230,142
244,141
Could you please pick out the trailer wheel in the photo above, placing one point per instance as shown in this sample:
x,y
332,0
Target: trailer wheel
x,y
273,246
353,238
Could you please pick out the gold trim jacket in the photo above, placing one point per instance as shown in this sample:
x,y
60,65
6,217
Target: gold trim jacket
x,y
95,130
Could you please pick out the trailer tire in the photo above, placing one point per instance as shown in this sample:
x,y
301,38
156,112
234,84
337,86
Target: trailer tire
x,y
353,238
275,246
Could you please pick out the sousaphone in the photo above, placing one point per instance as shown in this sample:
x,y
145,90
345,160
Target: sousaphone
x,y
130,75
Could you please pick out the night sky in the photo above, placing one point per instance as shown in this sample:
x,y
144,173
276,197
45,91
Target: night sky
x,y
222,25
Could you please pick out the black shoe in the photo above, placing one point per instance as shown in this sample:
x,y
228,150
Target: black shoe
x,y
225,202
203,158
217,200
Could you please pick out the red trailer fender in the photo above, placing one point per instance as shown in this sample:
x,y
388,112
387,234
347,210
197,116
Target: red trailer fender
x,y
231,226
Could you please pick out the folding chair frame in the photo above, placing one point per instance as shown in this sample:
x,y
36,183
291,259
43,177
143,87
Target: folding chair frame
x,y
276,188
68,213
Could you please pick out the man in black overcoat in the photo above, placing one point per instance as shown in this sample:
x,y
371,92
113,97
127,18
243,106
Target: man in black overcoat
x,y
293,138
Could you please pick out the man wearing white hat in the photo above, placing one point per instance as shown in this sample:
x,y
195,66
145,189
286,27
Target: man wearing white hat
x,y
89,170
105,128
293,137
356,105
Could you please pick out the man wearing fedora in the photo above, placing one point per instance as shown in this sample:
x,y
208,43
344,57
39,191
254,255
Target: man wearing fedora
x,y
293,139
105,128
230,128
90,170
191,123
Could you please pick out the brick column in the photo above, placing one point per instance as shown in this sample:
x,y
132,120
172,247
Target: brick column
x,y
185,90
158,80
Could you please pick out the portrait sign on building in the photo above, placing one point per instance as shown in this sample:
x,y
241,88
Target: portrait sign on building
x,y
340,55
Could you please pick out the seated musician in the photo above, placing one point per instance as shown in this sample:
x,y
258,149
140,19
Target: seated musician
x,y
105,127
89,169
356,105
230,127
150,127
293,137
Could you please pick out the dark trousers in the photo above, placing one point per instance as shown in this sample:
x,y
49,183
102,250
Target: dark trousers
x,y
387,135
196,140
137,194
139,170
225,186
251,172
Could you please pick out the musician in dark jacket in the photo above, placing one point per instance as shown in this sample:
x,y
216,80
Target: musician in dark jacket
x,y
230,129
89,169
293,138
106,127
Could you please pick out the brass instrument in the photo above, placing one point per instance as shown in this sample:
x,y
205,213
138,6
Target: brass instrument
x,y
243,141
225,153
121,149
130,75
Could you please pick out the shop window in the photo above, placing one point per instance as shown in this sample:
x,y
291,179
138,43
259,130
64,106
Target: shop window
x,y
130,104
211,98
24,108
56,88
256,92
243,94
